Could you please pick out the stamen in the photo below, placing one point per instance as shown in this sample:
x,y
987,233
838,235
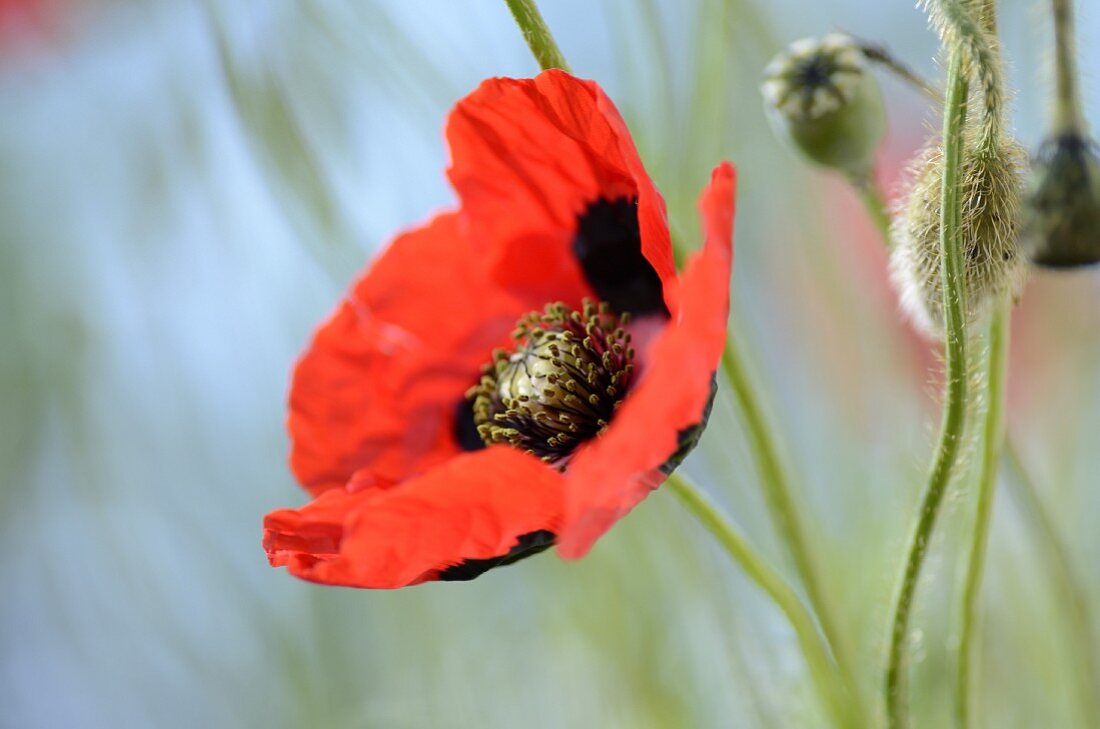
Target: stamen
x,y
561,385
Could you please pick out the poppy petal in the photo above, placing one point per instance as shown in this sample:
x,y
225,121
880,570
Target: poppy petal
x,y
531,155
477,506
611,475
383,380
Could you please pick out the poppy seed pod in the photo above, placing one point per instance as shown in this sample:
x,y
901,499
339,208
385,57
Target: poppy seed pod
x,y
820,94
991,187
1062,208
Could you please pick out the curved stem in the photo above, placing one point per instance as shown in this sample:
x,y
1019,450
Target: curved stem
x,y
992,441
954,413
882,56
537,34
1060,569
767,579
963,29
781,504
1067,109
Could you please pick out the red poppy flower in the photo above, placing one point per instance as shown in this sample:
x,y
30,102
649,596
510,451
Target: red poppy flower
x,y
586,406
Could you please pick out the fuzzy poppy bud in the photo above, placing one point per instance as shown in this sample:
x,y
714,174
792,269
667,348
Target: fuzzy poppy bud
x,y
1062,209
991,185
821,95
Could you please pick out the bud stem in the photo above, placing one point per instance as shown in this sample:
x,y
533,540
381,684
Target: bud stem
x,y
1067,110
868,192
954,413
993,437
828,683
882,56
537,34
972,35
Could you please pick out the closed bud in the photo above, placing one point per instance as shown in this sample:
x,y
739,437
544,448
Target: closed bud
x,y
822,97
991,185
1062,209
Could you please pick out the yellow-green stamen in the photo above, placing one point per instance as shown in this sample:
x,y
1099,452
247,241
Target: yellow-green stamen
x,y
560,386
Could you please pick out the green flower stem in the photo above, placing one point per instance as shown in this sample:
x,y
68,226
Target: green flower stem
x,y
1067,109
767,579
992,441
1059,568
537,34
781,504
876,207
954,413
882,56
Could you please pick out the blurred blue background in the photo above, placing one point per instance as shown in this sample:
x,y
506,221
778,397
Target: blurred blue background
x,y
186,188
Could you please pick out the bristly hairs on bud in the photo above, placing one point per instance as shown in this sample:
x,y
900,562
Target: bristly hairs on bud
x,y
991,181
958,25
991,187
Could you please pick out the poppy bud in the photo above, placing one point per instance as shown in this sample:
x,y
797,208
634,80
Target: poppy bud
x,y
991,186
1062,209
820,94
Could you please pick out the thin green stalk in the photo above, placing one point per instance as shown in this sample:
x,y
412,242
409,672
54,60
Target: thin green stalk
x,y
954,412
992,442
1067,109
1059,567
781,504
767,579
876,207
882,56
537,34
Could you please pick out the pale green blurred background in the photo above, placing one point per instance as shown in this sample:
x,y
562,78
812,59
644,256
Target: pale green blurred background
x,y
185,190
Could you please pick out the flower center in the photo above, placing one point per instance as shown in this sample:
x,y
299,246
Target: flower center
x,y
562,383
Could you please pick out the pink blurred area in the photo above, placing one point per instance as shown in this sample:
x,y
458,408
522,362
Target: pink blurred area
x,y
30,25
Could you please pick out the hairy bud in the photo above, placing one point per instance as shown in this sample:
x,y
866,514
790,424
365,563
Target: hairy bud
x,y
991,186
1062,208
821,96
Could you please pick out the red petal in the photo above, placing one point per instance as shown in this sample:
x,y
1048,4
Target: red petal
x,y
608,477
528,156
379,384
475,506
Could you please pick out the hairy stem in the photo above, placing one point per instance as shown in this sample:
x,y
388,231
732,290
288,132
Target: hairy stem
x,y
537,34
1059,567
954,412
992,440
1067,108
962,28
767,579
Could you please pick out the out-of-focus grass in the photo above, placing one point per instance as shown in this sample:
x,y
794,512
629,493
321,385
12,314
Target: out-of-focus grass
x,y
184,193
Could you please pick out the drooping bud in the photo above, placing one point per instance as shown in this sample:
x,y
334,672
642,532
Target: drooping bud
x,y
991,184
1062,207
821,96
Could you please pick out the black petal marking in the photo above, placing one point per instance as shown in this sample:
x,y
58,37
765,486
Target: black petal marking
x,y
528,544
689,437
465,430
608,246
